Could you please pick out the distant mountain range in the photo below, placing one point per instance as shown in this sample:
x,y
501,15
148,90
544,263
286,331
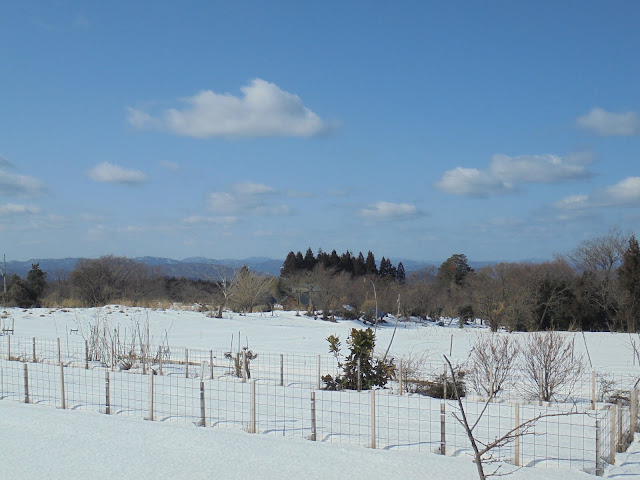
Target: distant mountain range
x,y
196,268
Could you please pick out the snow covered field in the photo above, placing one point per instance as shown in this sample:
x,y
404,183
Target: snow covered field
x,y
283,333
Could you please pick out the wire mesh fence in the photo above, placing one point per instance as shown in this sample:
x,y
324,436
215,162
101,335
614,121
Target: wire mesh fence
x,y
551,436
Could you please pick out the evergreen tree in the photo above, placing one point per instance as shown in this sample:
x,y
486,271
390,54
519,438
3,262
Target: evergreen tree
x,y
359,265
400,273
370,264
453,270
334,260
309,260
299,261
346,262
36,282
289,266
629,277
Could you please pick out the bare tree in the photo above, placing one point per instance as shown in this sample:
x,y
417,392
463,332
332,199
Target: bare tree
x,y
248,289
550,365
493,358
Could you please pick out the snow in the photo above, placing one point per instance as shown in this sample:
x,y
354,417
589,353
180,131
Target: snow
x,y
85,444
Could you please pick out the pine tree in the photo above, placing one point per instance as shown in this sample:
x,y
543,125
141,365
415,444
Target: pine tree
x,y
309,260
400,273
289,266
370,264
359,266
629,277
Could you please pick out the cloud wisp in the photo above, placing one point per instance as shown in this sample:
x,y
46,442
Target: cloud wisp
x,y
609,124
109,173
13,209
263,110
625,193
15,185
387,211
247,199
505,174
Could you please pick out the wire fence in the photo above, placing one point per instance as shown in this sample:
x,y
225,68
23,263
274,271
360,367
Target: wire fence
x,y
551,436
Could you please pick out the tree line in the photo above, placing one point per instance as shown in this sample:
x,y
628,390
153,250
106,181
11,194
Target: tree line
x,y
596,286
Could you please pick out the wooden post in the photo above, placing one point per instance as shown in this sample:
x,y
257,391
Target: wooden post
x,y
107,393
150,416
401,379
372,394
612,454
593,390
203,414
26,383
281,370
444,382
633,422
252,425
144,361
359,376
186,362
619,447
243,367
319,376
59,352
34,349
313,416
212,375
62,394
113,356
8,347
443,436
86,355
159,360
599,470
516,459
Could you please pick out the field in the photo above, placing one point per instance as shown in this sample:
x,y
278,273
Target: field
x,y
403,422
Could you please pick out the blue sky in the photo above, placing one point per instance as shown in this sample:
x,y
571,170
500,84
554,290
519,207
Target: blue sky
x,y
503,130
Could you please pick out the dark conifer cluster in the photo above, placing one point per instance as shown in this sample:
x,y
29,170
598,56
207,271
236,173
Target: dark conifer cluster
x,y
347,262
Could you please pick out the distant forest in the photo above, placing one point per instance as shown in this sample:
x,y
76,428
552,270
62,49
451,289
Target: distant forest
x,y
596,286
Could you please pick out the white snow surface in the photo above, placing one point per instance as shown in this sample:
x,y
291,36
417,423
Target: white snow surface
x,y
45,442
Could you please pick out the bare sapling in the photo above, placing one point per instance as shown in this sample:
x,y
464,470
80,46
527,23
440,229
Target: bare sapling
x,y
551,366
492,360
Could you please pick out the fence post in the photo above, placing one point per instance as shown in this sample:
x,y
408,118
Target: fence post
x,y
212,375
443,436
319,383
516,459
160,360
593,390
150,416
86,355
203,414
359,376
59,352
8,347
243,366
633,422
444,382
372,394
34,350
619,447
612,455
26,383
113,356
313,416
401,379
252,425
598,460
186,362
107,393
62,394
281,370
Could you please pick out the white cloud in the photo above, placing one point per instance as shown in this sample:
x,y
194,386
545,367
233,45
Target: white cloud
x,y
174,167
10,209
5,163
198,219
247,198
606,123
263,110
110,173
389,211
19,185
505,174
625,193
